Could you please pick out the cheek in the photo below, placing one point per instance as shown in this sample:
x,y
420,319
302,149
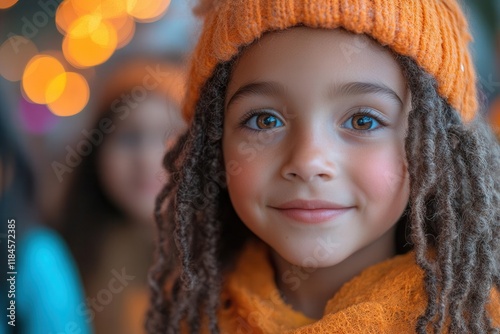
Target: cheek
x,y
248,175
115,175
242,173
383,176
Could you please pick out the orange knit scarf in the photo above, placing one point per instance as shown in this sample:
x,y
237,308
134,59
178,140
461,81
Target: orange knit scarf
x,y
385,298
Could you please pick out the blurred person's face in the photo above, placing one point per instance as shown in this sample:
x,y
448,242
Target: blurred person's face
x,y
130,162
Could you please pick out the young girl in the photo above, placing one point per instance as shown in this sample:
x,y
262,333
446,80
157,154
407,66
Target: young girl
x,y
108,216
336,176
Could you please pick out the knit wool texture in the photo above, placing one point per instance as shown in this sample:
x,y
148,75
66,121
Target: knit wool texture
x,y
434,33
385,298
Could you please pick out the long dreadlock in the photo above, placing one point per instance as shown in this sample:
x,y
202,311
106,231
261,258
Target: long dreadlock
x,y
454,209
455,188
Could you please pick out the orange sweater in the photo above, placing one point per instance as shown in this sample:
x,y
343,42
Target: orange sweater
x,y
385,298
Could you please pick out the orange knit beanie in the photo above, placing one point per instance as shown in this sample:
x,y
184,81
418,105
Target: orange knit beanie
x,y
433,32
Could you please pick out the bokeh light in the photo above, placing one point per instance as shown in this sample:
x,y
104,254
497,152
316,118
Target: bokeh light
x,y
93,30
59,56
40,72
89,72
119,21
104,8
147,10
74,97
4,4
90,41
65,16
125,29
15,53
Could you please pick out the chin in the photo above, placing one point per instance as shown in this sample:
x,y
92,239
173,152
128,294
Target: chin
x,y
141,215
312,254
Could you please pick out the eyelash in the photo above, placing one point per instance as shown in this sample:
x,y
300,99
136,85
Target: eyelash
x,y
370,113
248,116
360,112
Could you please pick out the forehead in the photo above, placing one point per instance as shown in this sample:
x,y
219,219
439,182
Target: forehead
x,y
152,112
306,59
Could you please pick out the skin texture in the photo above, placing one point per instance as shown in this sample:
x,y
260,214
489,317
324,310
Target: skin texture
x,y
308,141
130,161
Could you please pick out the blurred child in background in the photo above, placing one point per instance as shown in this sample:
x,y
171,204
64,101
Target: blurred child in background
x,y
108,215
46,294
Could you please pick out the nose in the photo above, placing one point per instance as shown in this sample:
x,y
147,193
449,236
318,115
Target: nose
x,y
309,158
149,157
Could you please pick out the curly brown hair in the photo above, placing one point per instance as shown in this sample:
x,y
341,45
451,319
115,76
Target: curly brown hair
x,y
453,208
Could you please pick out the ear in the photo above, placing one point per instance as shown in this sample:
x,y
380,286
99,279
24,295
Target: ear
x,y
204,7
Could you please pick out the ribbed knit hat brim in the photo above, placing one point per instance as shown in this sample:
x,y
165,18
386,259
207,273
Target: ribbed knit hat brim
x,y
432,32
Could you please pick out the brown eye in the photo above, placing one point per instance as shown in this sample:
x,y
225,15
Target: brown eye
x,y
266,121
262,120
362,122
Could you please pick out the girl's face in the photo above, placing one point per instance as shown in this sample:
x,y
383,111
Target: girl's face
x,y
314,129
130,161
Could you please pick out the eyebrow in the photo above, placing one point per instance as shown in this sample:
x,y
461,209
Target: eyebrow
x,y
360,88
267,88
270,88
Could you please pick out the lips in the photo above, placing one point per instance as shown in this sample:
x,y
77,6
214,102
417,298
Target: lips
x,y
311,212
